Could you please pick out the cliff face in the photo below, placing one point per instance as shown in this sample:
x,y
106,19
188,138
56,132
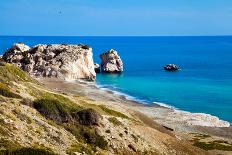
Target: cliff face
x,y
68,62
111,62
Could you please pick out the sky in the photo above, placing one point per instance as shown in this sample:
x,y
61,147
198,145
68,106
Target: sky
x,y
115,17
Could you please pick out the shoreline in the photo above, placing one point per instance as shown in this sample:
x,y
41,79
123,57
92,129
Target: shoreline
x,y
178,121
205,117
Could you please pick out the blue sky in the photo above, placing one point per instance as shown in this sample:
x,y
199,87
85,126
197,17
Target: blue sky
x,y
115,17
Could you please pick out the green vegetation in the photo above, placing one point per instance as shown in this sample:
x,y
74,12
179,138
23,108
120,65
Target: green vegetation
x,y
89,135
113,112
115,121
22,116
27,151
214,145
200,135
2,99
35,92
61,110
9,72
210,145
79,148
7,146
27,101
3,131
102,109
56,107
5,91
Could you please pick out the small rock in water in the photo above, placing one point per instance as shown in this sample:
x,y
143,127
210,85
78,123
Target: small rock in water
x,y
171,67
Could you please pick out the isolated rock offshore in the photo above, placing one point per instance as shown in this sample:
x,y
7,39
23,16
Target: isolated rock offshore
x,y
111,62
69,62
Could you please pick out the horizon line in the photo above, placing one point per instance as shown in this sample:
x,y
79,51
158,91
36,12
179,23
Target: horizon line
x,y
116,35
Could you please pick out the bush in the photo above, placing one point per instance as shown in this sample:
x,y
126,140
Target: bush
x,y
27,101
88,135
214,145
10,72
115,121
79,148
27,151
87,117
56,107
72,117
5,91
113,112
52,109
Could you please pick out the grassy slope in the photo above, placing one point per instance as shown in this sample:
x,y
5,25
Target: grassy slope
x,y
55,108
39,112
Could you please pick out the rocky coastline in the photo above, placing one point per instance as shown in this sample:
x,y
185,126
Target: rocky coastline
x,y
69,62
54,66
182,124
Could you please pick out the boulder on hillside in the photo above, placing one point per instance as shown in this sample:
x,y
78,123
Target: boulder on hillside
x,y
111,62
63,61
87,117
171,67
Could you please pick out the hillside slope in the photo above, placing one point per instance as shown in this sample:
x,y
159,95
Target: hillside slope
x,y
36,120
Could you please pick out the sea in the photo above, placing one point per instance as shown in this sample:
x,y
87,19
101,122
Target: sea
x,y
203,85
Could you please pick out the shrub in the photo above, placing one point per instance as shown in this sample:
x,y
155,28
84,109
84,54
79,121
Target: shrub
x,y
56,107
88,135
10,72
5,91
214,145
28,151
72,117
79,148
113,112
115,121
7,145
52,109
27,101
87,117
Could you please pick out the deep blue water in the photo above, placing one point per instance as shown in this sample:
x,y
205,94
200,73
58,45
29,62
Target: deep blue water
x,y
203,85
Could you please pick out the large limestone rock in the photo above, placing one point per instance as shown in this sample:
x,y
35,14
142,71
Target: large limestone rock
x,y
69,62
111,62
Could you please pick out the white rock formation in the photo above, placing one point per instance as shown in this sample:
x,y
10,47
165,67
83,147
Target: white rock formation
x,y
69,62
111,62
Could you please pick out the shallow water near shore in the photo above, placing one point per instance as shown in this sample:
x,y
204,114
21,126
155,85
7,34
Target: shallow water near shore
x,y
203,85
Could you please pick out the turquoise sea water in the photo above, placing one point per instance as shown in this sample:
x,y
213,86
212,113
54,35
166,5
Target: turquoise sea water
x,y
203,85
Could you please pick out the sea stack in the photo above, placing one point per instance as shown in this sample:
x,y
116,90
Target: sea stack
x,y
171,67
97,68
69,62
111,62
